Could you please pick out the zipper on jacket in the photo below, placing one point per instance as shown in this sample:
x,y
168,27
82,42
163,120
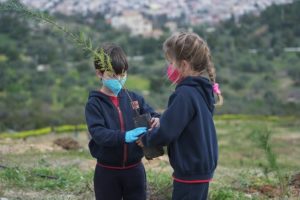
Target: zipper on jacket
x,y
122,129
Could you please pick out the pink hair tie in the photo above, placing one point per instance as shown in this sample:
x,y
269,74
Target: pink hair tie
x,y
216,88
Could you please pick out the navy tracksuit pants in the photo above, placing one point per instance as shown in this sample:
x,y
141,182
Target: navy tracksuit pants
x,y
125,184
184,191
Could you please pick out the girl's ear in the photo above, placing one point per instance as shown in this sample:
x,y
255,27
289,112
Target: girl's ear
x,y
185,64
99,73
185,68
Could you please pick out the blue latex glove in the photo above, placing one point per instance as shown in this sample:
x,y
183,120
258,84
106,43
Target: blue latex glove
x,y
132,135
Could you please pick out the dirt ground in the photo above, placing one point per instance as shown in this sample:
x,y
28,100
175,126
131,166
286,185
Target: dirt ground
x,y
56,144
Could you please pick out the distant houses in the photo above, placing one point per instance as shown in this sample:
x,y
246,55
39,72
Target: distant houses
x,y
145,17
135,22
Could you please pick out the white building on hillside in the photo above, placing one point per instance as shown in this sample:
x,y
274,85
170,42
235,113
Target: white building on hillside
x,y
133,20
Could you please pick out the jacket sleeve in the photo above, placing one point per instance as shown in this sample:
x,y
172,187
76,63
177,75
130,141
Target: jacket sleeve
x,y
172,122
145,108
99,133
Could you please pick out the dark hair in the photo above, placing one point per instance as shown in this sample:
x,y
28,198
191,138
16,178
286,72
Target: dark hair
x,y
117,57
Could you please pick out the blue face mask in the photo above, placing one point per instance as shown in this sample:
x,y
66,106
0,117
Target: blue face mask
x,y
114,85
123,80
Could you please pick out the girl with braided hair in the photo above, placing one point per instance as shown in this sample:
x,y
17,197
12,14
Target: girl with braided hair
x,y
187,127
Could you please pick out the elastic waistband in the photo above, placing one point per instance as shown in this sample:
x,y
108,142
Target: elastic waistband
x,y
191,181
118,168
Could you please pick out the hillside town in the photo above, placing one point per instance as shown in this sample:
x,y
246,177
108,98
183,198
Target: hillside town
x,y
147,17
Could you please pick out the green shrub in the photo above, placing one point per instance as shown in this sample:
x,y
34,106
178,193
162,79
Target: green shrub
x,y
227,194
70,128
46,178
159,184
44,131
25,134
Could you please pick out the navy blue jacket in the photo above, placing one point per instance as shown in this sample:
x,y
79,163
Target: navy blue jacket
x,y
187,128
107,142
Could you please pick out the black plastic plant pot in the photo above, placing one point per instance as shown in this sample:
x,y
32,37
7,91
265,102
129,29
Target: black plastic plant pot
x,y
149,152
143,120
153,152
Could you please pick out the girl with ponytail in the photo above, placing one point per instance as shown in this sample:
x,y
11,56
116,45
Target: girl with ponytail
x,y
187,127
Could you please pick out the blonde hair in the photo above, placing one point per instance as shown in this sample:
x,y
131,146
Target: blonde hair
x,y
193,49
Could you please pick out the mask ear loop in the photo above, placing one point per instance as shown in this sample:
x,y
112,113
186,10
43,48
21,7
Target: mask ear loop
x,y
125,89
179,77
127,93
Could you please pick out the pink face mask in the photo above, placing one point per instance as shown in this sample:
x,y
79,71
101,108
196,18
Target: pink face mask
x,y
173,74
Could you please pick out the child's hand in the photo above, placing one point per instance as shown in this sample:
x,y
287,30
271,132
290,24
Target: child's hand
x,y
154,123
139,142
132,135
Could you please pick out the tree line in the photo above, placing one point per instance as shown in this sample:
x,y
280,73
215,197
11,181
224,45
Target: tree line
x,y
45,78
